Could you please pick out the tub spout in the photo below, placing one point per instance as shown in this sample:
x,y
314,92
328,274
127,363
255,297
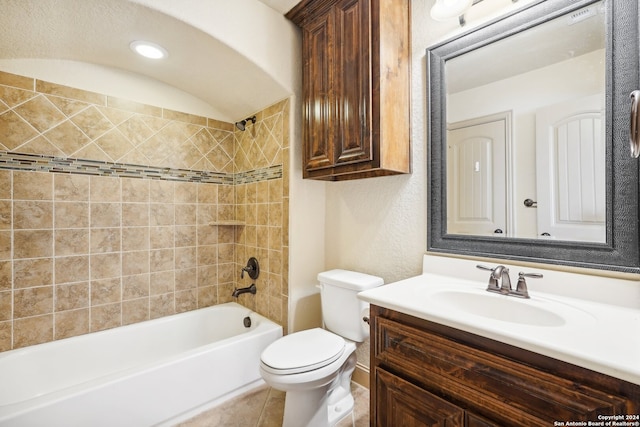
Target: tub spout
x,y
251,289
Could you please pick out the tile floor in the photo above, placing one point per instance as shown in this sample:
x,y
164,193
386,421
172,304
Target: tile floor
x,y
264,407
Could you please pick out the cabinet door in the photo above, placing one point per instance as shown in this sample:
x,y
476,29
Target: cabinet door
x,y
400,403
353,67
476,421
318,80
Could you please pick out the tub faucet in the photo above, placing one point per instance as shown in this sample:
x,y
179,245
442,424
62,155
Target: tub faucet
x,y
499,280
239,291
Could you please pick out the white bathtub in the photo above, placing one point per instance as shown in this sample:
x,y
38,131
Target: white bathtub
x,y
157,372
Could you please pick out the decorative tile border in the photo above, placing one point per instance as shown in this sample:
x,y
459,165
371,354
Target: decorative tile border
x,y
264,174
43,163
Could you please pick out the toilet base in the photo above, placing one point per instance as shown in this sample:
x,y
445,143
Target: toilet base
x,y
311,408
323,406
341,410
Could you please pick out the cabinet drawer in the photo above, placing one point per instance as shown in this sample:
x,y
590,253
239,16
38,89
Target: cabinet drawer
x,y
502,390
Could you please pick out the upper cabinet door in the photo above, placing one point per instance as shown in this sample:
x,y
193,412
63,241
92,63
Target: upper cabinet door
x,y
318,82
353,95
356,118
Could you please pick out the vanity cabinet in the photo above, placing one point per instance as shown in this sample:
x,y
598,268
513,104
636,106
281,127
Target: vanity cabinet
x,y
427,374
356,85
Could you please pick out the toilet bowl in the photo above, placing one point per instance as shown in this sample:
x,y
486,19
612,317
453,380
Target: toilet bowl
x,y
314,366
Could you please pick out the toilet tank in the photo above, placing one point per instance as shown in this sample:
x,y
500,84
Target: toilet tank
x,y
342,310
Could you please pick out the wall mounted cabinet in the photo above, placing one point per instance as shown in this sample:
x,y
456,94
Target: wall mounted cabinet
x,y
356,60
427,374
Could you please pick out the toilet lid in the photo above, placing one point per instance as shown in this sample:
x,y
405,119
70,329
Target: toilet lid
x,y
303,351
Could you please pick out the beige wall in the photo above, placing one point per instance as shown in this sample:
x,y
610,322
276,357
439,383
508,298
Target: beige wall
x,y
122,233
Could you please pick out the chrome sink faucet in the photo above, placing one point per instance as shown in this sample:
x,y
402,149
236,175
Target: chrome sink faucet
x,y
500,282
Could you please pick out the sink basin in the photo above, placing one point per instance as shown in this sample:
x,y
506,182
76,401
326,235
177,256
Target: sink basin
x,y
505,308
574,329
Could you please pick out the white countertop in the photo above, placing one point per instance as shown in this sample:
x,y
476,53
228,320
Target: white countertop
x,y
601,337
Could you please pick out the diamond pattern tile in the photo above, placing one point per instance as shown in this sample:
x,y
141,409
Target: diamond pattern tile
x,y
92,123
3,107
65,123
93,152
40,145
203,141
15,96
14,131
69,107
135,129
135,157
154,123
187,156
67,137
115,115
40,113
219,158
114,144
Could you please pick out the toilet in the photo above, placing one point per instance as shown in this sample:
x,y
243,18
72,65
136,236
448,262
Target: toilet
x,y
314,366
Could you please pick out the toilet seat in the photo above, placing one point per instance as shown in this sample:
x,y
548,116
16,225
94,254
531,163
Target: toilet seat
x,y
302,351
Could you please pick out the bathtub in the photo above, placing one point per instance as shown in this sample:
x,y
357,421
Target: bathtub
x,y
157,372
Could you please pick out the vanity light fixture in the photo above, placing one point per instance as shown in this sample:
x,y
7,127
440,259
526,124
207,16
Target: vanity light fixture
x,y
148,49
444,10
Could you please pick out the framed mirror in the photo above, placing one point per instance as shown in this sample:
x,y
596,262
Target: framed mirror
x,y
528,137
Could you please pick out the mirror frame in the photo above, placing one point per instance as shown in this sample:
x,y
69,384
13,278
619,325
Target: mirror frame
x,y
621,251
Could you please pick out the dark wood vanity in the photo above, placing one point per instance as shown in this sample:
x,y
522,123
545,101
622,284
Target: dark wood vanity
x,y
427,374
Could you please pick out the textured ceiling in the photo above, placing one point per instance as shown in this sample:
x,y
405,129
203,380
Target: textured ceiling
x,y
100,31
554,41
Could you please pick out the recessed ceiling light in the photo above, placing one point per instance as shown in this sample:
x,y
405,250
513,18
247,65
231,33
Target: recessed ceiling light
x,y
148,49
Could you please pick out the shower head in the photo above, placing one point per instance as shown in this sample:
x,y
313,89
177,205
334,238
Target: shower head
x,y
242,124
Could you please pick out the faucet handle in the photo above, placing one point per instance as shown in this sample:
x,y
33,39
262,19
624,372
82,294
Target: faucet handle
x,y
493,281
521,288
252,268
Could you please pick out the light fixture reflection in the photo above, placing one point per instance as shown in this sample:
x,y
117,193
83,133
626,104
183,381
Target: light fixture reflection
x,y
443,10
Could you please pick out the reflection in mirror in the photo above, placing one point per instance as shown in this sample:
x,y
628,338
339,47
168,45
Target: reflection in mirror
x,y
525,121
529,136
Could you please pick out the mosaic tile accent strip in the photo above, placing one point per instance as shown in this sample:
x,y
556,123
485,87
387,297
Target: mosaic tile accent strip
x,y
257,175
42,163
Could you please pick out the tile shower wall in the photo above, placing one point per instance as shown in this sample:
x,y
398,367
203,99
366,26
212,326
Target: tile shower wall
x,y
263,206
125,230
